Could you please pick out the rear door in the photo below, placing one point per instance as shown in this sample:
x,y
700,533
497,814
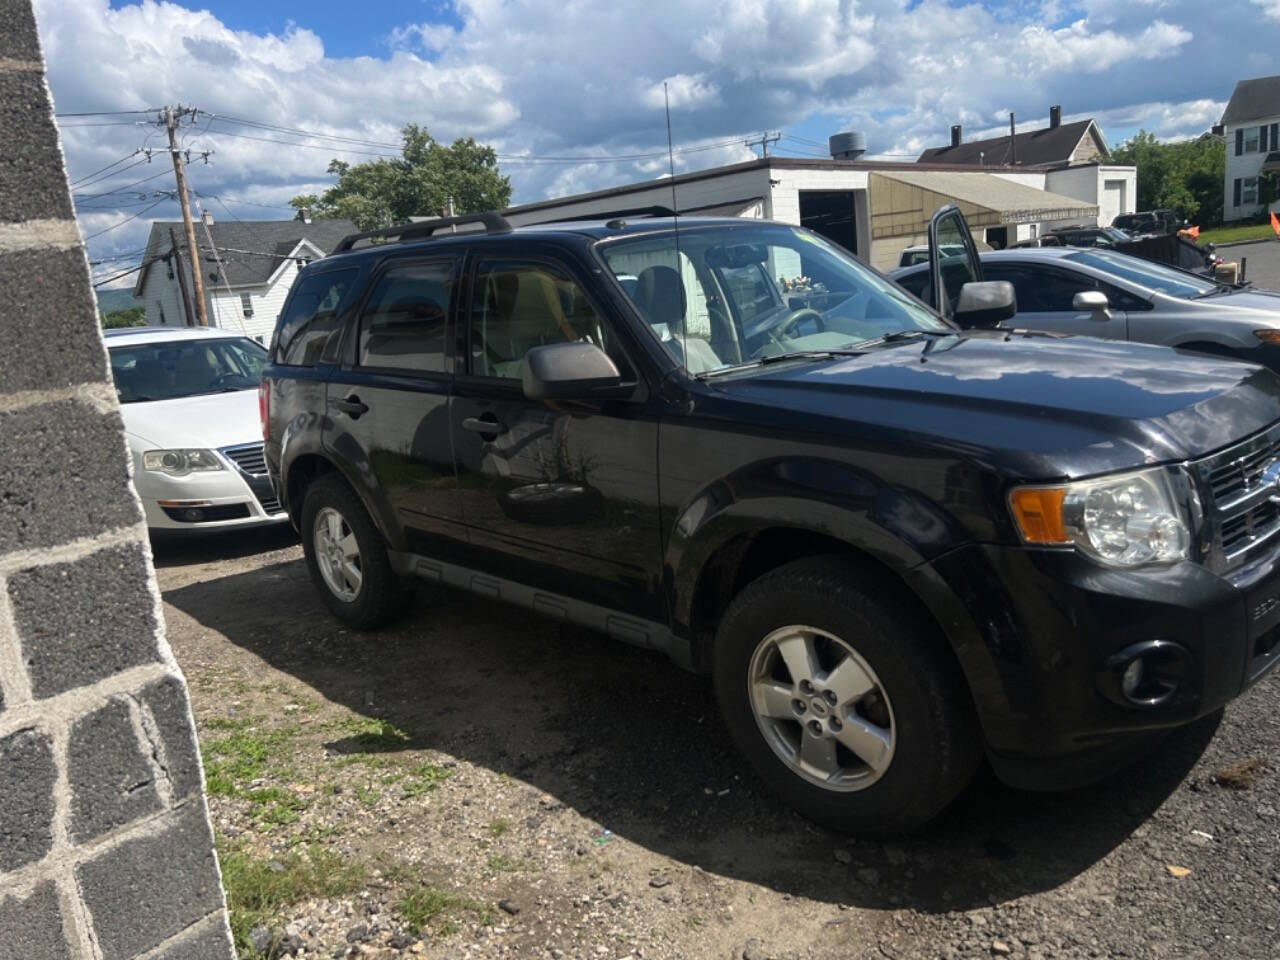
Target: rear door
x,y
388,404
557,495
1045,294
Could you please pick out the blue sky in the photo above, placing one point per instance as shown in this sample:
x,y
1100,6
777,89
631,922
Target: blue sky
x,y
543,80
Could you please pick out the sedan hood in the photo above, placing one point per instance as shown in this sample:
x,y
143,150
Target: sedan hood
x,y
209,421
1033,406
1251,301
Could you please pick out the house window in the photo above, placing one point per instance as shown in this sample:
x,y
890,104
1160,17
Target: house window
x,y
1249,191
302,262
246,305
1251,140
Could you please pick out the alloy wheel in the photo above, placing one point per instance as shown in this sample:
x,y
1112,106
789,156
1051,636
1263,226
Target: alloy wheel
x,y
337,554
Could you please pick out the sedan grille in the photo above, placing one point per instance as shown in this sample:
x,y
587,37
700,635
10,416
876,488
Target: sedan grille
x,y
250,460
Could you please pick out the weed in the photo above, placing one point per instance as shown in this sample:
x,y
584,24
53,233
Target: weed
x,y
423,778
498,827
368,795
1239,776
421,905
258,889
500,863
372,734
241,757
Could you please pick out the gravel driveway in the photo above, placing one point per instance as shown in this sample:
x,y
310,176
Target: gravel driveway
x,y
479,783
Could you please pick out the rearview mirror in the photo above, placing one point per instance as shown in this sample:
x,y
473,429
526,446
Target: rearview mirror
x,y
1094,301
571,371
983,304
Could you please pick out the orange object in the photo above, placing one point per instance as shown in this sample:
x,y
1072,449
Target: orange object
x,y
1038,511
1275,224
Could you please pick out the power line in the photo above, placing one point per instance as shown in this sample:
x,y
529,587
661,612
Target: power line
x,y
114,173
95,196
90,176
107,113
125,220
145,263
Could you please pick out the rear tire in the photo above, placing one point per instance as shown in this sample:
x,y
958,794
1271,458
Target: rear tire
x,y
848,704
347,557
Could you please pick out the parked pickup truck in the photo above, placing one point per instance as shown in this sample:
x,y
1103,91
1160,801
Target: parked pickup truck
x,y
894,544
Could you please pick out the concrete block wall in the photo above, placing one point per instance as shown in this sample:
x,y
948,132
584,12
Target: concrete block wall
x,y
106,852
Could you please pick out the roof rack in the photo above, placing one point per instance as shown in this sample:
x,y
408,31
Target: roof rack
x,y
493,223
613,215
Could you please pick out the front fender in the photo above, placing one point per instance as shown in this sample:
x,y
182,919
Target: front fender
x,y
893,524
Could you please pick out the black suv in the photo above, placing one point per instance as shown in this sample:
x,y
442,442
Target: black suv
x,y
895,545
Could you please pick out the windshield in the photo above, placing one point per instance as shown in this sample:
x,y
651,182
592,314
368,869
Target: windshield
x,y
719,296
169,369
1153,276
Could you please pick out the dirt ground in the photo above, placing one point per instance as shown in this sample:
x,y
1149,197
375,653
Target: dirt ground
x,y
479,783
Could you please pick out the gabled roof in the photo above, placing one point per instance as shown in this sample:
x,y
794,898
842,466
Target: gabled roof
x,y
251,251
1253,100
1034,148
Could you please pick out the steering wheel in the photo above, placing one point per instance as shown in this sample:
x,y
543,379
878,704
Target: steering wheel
x,y
224,380
794,317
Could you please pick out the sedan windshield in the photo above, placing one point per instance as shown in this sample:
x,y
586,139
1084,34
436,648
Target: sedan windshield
x,y
724,295
1153,276
170,369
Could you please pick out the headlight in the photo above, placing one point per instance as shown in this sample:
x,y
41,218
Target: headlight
x,y
1125,520
178,463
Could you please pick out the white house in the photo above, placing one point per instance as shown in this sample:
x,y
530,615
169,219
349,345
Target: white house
x,y
1251,125
247,269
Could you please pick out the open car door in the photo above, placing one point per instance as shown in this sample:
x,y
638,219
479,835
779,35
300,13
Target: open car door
x,y
956,288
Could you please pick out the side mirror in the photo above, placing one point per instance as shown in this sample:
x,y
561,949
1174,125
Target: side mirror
x,y
571,371
1093,301
983,304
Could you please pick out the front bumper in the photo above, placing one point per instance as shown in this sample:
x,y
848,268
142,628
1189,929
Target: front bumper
x,y
1046,623
206,501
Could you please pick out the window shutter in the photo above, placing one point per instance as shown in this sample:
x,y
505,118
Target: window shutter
x,y
1275,137
1235,194
1239,141
1262,138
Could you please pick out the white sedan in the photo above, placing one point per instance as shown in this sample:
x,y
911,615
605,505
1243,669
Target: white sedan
x,y
189,397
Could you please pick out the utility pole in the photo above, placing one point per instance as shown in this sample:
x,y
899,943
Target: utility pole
x,y
182,280
763,143
197,281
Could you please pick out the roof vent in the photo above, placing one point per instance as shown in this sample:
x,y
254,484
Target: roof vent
x,y
1055,117
955,135
848,146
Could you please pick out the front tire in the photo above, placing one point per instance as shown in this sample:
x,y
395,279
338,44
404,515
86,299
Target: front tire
x,y
347,557
847,704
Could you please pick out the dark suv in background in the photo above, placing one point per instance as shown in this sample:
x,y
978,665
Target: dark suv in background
x,y
895,544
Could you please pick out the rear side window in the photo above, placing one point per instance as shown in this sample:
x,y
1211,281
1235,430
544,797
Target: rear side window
x,y
1040,291
311,322
402,326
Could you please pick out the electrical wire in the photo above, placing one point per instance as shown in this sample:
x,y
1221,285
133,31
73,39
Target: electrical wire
x,y
90,176
108,113
125,220
114,173
95,196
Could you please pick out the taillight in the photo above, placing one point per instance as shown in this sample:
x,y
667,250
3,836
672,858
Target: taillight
x,y
264,407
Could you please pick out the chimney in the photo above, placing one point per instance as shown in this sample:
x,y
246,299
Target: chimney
x,y
304,214
1013,146
206,218
1055,117
955,135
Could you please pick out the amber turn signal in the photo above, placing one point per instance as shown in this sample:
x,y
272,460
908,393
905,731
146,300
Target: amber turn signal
x,y
1268,336
1038,511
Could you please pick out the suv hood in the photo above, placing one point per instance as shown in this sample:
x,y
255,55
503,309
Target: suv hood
x,y
1048,406
208,421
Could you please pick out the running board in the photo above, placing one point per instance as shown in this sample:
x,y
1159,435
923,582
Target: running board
x,y
632,630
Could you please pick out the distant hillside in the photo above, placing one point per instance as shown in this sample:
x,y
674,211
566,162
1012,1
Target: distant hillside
x,y
121,298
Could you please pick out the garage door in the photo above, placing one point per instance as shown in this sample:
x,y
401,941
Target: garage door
x,y
1112,201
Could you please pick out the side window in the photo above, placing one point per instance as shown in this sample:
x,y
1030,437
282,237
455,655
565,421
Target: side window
x,y
402,326
916,283
953,259
1122,299
311,319
518,306
1040,291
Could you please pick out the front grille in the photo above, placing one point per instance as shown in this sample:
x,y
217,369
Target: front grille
x,y
250,460
1247,516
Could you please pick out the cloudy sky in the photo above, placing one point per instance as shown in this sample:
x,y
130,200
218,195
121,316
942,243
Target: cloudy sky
x,y
570,91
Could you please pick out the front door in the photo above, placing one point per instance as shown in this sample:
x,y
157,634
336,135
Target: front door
x,y
388,404
1045,296
557,495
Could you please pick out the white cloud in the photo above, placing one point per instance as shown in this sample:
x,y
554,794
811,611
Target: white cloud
x,y
1270,8
684,90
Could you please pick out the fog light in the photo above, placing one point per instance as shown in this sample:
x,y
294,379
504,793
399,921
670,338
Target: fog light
x,y
1147,675
194,514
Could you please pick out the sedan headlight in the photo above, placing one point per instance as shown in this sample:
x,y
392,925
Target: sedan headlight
x,y
178,463
1125,520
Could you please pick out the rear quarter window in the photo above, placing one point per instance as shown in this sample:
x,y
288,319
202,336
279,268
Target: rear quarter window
x,y
311,322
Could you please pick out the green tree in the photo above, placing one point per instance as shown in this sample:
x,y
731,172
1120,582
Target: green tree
x,y
1186,176
419,183
129,317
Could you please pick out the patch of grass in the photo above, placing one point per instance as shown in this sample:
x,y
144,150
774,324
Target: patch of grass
x,y
368,795
258,889
500,863
1252,231
230,763
1239,776
372,734
273,806
423,778
425,908
498,827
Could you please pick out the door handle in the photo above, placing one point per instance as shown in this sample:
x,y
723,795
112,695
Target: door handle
x,y
487,425
352,406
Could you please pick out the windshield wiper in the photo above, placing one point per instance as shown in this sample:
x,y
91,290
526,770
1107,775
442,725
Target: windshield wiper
x,y
779,358
1215,292
899,335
